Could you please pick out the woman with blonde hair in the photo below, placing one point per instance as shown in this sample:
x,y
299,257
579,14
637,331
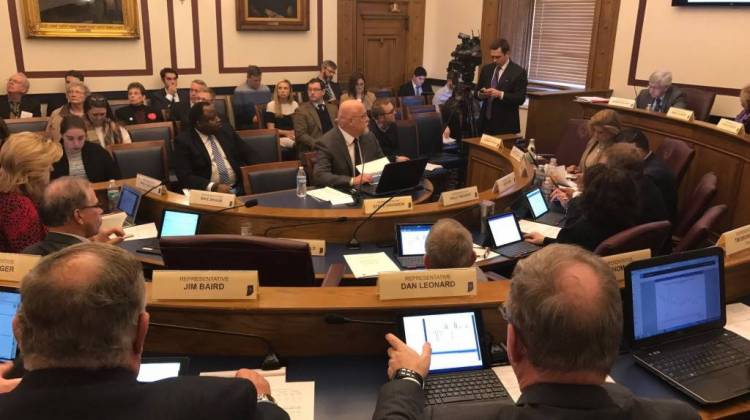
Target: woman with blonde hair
x,y
25,163
76,92
744,116
603,127
279,112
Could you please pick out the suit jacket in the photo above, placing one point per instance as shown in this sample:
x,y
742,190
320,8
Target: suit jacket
x,y
513,83
158,99
28,104
655,169
673,96
55,101
307,127
402,400
192,162
387,139
407,89
115,394
334,167
53,242
128,114
97,162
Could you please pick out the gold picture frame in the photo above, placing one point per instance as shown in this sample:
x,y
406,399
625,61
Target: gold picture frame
x,y
273,15
45,22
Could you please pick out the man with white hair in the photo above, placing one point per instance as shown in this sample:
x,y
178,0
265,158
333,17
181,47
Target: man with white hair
x,y
17,104
660,95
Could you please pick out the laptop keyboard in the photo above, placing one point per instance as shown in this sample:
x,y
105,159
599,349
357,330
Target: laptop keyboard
x,y
412,261
696,360
518,249
464,386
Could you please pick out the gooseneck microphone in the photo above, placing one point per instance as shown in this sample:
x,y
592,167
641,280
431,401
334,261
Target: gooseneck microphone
x,y
249,203
340,319
270,360
357,193
319,222
354,242
152,188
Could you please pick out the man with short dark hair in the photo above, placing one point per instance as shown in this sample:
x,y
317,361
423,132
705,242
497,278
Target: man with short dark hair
x,y
564,317
16,103
253,82
246,96
416,86
312,119
502,87
170,99
383,126
81,327
331,89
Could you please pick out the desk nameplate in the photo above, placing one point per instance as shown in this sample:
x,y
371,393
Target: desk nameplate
x,y
731,127
505,183
735,240
317,246
210,198
427,283
146,183
204,285
449,198
517,153
618,262
622,102
681,114
491,142
400,203
13,267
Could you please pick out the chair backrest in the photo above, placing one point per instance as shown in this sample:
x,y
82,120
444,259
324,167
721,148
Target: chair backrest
x,y
419,109
677,155
573,142
116,104
35,124
260,146
649,235
309,159
384,92
429,133
697,203
697,236
260,109
146,157
223,107
407,101
280,262
268,177
408,141
151,131
700,102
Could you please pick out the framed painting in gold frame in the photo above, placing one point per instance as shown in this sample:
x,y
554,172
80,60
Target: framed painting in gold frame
x,y
77,19
273,15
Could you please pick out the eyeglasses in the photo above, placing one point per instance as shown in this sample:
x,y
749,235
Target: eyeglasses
x,y
94,206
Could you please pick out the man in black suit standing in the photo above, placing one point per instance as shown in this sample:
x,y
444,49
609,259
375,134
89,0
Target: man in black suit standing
x,y
17,104
564,317
170,101
81,330
208,154
502,87
345,146
416,86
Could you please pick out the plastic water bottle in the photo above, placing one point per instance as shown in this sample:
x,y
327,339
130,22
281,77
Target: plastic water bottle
x,y
113,195
547,188
531,148
301,183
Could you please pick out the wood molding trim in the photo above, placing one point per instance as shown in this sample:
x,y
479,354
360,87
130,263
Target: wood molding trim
x,y
603,35
196,38
490,26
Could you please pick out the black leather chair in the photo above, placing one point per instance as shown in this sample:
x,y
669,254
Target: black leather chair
x,y
408,141
221,104
419,109
36,124
652,236
146,157
677,155
407,101
269,177
430,134
260,146
699,101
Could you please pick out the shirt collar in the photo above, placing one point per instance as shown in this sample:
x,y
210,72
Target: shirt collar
x,y
80,238
348,138
203,137
566,395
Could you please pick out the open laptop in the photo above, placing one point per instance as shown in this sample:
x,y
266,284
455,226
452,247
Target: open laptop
x,y
158,368
675,315
130,201
397,177
175,223
10,298
540,210
507,239
410,244
459,368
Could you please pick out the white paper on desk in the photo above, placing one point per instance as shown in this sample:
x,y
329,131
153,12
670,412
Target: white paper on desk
x,y
374,166
296,398
527,226
738,319
592,99
286,142
510,382
369,265
334,197
449,140
280,372
26,114
146,231
113,220
432,167
483,253
560,176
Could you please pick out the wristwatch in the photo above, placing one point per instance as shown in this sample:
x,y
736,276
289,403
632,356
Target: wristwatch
x,y
409,375
266,398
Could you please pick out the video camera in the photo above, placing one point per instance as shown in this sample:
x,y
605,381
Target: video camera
x,y
466,57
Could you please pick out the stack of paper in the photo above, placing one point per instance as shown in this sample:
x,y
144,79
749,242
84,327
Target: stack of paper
x,y
369,265
592,99
738,319
113,220
449,140
146,231
432,167
528,226
374,166
330,195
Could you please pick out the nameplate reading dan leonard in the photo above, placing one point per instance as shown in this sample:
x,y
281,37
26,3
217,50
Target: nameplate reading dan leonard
x,y
428,283
204,285
13,267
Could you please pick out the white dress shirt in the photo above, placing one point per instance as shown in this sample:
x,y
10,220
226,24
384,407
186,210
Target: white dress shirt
x,y
171,97
214,170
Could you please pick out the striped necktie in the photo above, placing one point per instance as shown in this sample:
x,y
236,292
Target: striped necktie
x,y
220,166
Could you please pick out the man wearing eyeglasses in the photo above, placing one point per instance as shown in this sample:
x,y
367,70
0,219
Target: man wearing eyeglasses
x,y
383,126
72,214
312,119
660,95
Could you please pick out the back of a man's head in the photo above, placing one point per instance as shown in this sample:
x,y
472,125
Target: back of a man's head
x,y
80,308
61,199
449,245
565,307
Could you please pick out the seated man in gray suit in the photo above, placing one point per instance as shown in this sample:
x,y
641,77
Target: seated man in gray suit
x,y
347,145
71,212
564,317
660,95
312,119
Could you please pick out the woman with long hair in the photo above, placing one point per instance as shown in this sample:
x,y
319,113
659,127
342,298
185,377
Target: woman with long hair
x,y
358,90
102,127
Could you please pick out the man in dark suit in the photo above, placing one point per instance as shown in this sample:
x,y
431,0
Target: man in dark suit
x,y
170,101
81,330
564,317
660,95
208,155
416,86
331,89
312,119
17,104
71,212
502,87
57,100
344,147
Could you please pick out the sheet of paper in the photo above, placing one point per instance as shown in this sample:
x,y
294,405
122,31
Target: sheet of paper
x,y
484,253
286,142
546,230
432,167
335,197
592,99
113,220
510,382
280,372
26,114
449,140
141,232
369,265
296,398
374,166
738,319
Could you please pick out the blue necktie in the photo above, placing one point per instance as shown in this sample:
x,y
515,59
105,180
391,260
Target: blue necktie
x,y
220,166
493,85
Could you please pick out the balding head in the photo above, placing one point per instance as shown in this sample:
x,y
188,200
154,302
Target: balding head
x,y
352,117
449,245
69,206
18,83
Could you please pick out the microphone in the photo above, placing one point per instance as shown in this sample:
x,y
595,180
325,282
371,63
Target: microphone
x,y
152,188
249,203
336,220
337,319
357,194
270,361
354,243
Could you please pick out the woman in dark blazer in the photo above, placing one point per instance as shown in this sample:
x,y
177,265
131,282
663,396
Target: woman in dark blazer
x,y
80,157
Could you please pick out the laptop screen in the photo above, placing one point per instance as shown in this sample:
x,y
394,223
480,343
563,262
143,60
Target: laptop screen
x,y
9,301
129,201
536,203
412,238
454,338
504,229
675,295
179,223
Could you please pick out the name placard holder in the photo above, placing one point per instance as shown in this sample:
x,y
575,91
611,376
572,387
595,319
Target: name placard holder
x,y
681,114
145,183
317,246
731,127
449,198
516,153
735,240
622,102
14,266
491,142
618,262
401,203
204,285
505,183
210,198
427,283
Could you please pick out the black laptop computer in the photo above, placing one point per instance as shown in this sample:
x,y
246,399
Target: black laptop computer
x,y
507,239
540,209
459,368
675,315
10,298
397,177
174,223
410,244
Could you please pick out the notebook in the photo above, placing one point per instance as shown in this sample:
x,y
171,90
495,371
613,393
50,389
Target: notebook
x,y
10,298
410,244
540,211
675,315
130,201
506,236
